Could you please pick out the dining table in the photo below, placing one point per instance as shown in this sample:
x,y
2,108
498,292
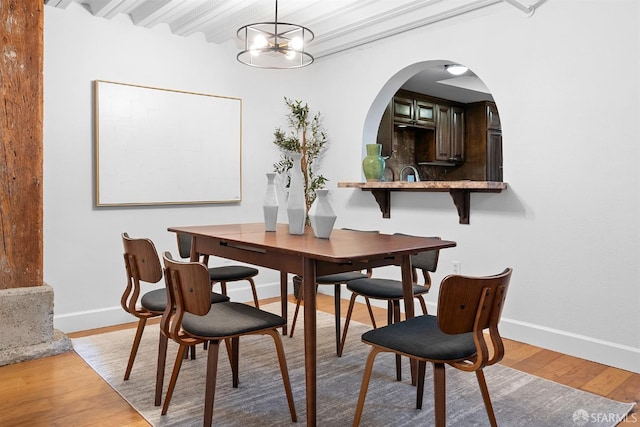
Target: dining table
x,y
308,257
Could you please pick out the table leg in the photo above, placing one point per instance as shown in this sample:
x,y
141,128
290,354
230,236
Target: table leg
x,y
284,287
407,286
309,292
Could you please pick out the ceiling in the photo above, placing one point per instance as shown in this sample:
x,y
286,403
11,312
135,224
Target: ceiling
x,y
338,25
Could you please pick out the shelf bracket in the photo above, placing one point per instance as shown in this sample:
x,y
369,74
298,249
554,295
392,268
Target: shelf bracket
x,y
462,200
383,197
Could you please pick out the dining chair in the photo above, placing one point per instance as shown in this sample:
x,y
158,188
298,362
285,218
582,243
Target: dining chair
x,y
337,280
143,266
467,306
223,274
391,291
196,320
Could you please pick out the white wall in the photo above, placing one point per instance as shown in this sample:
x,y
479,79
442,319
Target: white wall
x,y
567,224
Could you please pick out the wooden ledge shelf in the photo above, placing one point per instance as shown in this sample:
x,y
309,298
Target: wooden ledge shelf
x,y
460,192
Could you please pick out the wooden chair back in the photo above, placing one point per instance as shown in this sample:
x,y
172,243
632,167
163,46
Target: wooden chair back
x,y
472,305
190,285
426,262
143,265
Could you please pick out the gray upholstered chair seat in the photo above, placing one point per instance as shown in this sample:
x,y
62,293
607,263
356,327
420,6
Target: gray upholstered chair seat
x,y
340,277
421,337
157,300
382,288
229,319
231,272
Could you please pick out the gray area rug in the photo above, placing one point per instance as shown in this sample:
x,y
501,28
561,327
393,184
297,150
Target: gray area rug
x,y
519,399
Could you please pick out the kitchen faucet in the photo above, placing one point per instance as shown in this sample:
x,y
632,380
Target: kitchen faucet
x,y
415,172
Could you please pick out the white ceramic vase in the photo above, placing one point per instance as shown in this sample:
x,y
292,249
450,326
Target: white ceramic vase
x,y
270,206
296,202
322,215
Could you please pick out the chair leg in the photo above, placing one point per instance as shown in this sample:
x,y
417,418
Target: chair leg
x,y
485,396
346,323
396,318
174,378
210,388
134,348
366,376
439,395
162,359
285,373
373,319
390,312
235,360
223,287
336,298
295,313
420,387
423,304
253,291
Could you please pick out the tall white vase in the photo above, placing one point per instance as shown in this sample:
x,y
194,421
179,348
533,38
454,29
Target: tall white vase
x,y
296,202
322,215
270,206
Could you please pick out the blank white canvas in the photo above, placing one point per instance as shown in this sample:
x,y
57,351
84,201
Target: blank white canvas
x,y
159,146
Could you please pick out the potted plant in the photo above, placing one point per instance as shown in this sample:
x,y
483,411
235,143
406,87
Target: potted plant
x,y
307,137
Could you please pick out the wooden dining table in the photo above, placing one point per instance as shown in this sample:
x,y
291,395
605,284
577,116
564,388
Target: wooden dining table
x,y
309,257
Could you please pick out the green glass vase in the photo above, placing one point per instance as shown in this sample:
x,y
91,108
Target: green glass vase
x,y
373,164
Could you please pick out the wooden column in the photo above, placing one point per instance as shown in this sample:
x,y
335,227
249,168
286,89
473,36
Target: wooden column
x,y
21,109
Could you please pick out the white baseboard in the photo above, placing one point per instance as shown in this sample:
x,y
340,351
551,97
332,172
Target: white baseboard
x,y
606,352
601,351
593,349
115,315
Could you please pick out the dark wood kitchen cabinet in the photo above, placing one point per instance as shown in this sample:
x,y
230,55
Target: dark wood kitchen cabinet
x,y
484,143
449,134
412,111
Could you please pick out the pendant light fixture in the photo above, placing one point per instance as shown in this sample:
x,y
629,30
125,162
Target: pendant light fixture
x,y
277,45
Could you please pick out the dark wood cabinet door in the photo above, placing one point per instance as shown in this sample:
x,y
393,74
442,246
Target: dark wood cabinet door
x,y
443,132
403,111
457,134
385,132
425,113
494,155
493,119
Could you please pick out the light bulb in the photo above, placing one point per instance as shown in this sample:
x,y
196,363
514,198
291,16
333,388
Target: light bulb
x,y
291,54
260,41
254,52
296,43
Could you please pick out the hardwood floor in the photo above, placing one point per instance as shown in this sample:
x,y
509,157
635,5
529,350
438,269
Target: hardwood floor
x,y
64,391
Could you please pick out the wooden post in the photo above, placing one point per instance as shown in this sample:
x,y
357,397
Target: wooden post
x,y
21,109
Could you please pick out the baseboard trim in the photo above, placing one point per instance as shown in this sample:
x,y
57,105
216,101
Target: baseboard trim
x,y
589,348
593,349
115,315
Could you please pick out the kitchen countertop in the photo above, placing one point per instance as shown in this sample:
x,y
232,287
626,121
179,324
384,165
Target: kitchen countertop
x,y
460,192
427,185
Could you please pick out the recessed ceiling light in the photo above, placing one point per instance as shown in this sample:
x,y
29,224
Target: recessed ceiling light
x,y
456,69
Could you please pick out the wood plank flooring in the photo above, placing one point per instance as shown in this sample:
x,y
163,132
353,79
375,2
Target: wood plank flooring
x,y
64,391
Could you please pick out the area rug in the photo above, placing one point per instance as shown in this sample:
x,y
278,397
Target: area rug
x,y
519,399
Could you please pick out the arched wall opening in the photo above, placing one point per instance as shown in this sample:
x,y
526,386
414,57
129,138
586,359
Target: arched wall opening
x,y
445,126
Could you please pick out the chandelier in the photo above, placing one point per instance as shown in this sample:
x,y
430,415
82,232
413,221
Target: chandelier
x,y
277,45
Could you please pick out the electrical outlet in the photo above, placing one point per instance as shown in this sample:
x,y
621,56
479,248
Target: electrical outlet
x,y
456,267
